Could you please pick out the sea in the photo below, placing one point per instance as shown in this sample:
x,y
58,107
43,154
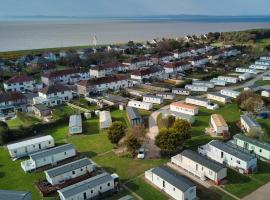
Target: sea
x,y
21,33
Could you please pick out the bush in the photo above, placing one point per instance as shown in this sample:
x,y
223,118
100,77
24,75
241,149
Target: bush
x,y
116,132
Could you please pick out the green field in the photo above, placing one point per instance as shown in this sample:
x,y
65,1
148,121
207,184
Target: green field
x,y
22,120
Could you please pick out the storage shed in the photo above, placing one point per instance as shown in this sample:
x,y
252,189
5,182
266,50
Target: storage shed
x,y
134,116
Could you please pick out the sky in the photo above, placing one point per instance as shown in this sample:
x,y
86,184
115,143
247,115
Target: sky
x,y
104,8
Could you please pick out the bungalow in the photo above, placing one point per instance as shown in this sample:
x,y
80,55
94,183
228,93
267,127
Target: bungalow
x,y
75,124
20,83
200,166
218,82
259,67
228,79
106,69
246,70
262,62
10,102
26,147
166,95
226,154
253,146
152,99
89,188
40,62
134,116
181,91
173,184
178,115
218,97
245,76
184,108
147,73
41,111
249,124
15,195
116,82
196,88
265,93
63,173
230,93
218,125
201,102
66,76
48,156
203,83
105,119
140,105
174,67
53,95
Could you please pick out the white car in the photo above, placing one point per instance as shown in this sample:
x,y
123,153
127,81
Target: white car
x,y
141,153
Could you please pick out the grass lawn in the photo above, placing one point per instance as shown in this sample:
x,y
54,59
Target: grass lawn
x,y
62,111
120,115
263,42
262,82
22,120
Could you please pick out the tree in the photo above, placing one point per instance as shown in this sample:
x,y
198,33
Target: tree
x,y
166,122
252,104
244,96
116,132
133,144
138,131
4,130
182,127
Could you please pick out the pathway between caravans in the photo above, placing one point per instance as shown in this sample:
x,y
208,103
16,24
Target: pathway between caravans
x,y
133,193
263,193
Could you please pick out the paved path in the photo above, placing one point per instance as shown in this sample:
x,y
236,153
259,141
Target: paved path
x,y
263,193
133,193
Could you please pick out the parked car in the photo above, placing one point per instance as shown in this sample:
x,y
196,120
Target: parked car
x,y
141,153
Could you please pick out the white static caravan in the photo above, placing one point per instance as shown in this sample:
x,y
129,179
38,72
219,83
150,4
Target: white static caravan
x,y
218,124
184,108
259,67
105,119
245,76
196,88
152,99
69,171
89,188
48,156
230,156
218,82
218,97
265,93
75,124
200,166
173,184
266,78
140,105
228,79
203,83
262,62
178,115
26,147
166,95
265,58
246,70
201,102
230,93
181,91
249,124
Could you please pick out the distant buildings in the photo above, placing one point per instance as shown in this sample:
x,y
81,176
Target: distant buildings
x,y
152,99
140,105
106,69
10,102
196,88
19,84
147,73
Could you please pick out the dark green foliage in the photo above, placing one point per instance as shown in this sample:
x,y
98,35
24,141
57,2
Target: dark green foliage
x,y
116,132
133,144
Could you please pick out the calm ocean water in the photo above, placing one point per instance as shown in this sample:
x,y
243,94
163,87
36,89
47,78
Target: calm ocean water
x,y
19,35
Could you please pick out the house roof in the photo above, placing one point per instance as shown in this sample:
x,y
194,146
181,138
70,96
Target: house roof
x,y
133,113
77,164
54,88
105,66
11,96
250,121
252,141
231,150
85,185
176,64
19,79
52,151
173,178
183,105
102,80
40,60
41,107
14,195
65,72
202,160
152,96
218,120
75,120
146,71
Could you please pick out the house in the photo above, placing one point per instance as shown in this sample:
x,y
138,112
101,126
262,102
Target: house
x,y
134,116
97,85
228,79
249,124
218,97
259,67
66,76
146,73
136,63
48,157
63,173
20,83
50,56
11,102
15,195
173,184
265,93
152,99
226,154
41,110
179,115
105,119
53,95
26,147
203,83
166,95
230,93
198,61
200,166
218,125
218,82
178,54
253,146
140,105
75,124
184,108
40,62
244,77
262,62
106,69
174,67
89,188
196,88
202,102
181,91
246,70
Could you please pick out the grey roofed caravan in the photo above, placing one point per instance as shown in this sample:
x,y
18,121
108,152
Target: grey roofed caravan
x,y
255,142
85,185
68,167
210,164
52,151
173,178
133,113
15,195
250,121
231,150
